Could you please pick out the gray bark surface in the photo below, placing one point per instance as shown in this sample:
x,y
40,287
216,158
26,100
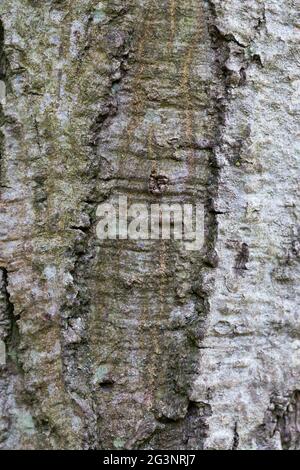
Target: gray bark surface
x,y
123,345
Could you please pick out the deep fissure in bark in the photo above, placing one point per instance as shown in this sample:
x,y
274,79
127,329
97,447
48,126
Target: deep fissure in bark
x,y
283,418
2,78
12,338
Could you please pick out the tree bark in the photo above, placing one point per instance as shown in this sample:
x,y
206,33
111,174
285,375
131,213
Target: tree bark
x,y
119,344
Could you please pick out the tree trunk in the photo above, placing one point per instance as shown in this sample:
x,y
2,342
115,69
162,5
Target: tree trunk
x,y
123,344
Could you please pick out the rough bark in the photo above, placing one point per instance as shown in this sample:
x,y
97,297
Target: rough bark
x,y
120,344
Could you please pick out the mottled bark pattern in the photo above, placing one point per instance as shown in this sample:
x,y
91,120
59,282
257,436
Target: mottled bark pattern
x,y
127,345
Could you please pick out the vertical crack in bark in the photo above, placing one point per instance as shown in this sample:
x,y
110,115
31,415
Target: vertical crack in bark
x,y
282,419
2,80
288,421
10,323
236,437
10,368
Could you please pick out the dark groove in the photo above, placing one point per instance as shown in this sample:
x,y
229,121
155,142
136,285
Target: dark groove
x,y
12,339
2,78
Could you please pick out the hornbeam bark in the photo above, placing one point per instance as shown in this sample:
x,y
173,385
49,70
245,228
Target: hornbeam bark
x,y
118,344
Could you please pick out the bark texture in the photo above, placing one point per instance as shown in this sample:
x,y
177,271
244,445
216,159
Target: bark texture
x,y
144,345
